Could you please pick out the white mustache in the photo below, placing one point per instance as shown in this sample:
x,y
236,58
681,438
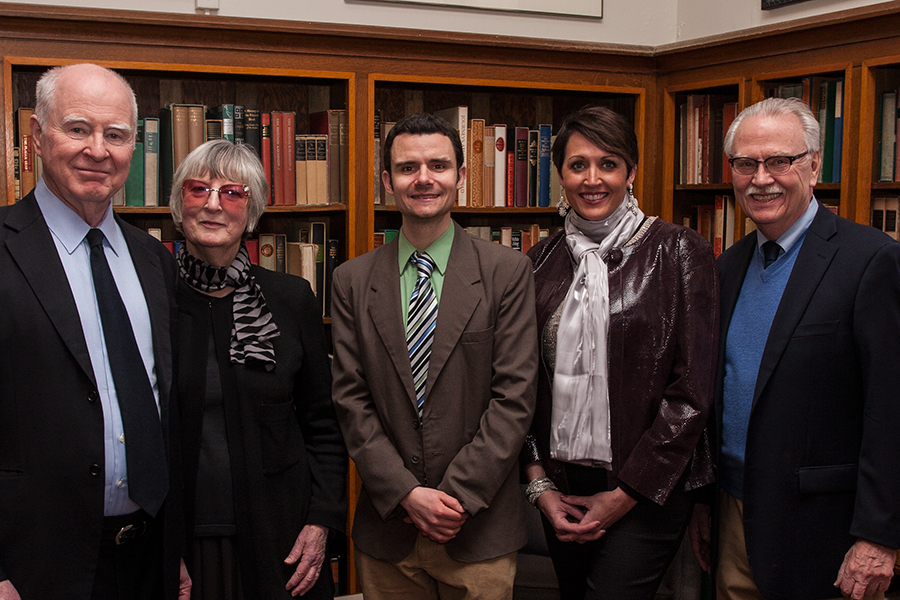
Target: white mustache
x,y
769,189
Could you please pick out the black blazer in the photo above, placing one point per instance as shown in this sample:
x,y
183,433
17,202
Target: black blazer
x,y
51,424
822,444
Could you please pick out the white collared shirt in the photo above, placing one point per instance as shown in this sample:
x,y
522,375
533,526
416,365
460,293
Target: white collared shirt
x,y
68,231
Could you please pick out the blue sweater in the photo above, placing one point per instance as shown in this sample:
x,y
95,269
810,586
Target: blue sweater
x,y
744,346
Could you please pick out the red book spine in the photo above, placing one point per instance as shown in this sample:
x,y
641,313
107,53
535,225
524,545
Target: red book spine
x,y
278,157
510,179
287,153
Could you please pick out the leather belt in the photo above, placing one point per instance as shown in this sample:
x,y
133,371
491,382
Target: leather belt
x,y
122,529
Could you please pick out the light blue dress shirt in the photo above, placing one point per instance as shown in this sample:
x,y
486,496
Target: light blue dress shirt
x,y
68,231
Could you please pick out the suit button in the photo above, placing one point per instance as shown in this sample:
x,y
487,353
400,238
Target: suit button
x,y
415,459
416,424
95,469
93,396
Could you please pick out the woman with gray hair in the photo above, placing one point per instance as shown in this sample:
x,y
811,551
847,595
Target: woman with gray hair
x,y
264,460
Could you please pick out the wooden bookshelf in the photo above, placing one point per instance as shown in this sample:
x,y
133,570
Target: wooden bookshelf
x,y
679,197
509,102
159,84
877,76
205,59
859,45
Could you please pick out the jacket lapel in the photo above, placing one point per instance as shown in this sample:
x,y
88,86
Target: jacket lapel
x,y
458,302
387,315
35,252
815,255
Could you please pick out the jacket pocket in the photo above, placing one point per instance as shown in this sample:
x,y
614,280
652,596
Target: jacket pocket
x,y
831,479
476,337
282,442
811,329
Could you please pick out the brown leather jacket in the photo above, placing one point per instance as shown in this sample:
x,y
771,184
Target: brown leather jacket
x,y
663,332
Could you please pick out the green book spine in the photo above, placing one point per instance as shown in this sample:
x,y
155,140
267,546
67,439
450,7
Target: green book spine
x,y
226,113
134,185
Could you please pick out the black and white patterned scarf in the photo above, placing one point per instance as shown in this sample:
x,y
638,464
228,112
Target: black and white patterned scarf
x,y
254,329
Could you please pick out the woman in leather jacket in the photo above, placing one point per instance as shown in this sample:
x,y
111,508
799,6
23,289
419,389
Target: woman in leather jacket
x,y
627,310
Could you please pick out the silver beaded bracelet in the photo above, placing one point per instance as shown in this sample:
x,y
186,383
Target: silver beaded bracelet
x,y
537,487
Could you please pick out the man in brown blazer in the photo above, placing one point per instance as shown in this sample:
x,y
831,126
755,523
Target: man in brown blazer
x,y
434,434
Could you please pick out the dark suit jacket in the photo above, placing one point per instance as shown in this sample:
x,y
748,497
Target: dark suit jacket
x,y
479,395
288,461
51,422
822,443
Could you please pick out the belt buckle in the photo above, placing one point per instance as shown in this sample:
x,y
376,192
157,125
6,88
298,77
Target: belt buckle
x,y
130,532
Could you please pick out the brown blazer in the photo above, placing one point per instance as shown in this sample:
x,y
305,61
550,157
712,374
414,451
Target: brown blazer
x,y
479,397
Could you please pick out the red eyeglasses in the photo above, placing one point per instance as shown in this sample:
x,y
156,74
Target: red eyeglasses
x,y
196,193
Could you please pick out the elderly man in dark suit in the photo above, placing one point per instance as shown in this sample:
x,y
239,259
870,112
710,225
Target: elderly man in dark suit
x,y
434,368
87,479
808,379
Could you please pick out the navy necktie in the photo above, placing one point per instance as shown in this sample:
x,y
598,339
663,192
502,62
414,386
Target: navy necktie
x,y
145,453
771,252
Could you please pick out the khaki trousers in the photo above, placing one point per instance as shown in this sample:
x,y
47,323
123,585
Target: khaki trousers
x,y
734,581
429,573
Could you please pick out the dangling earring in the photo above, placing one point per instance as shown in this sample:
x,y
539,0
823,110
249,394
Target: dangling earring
x,y
562,206
630,201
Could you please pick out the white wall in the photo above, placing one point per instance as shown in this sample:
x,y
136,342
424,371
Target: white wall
x,y
701,18
637,22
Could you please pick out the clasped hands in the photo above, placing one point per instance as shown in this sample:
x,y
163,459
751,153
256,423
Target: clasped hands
x,y
584,518
436,514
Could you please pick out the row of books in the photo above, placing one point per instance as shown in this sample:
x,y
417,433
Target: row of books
x,y
506,166
825,96
889,163
517,237
884,215
312,255
703,120
301,168
715,222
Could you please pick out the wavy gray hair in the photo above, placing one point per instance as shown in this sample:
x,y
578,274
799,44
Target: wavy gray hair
x,y
223,160
777,107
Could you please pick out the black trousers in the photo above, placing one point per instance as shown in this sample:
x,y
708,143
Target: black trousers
x,y
631,558
132,570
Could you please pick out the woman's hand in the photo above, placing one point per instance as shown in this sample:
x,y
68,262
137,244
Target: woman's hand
x,y
309,550
600,511
568,520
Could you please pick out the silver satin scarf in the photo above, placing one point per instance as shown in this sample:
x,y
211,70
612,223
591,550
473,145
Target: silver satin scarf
x,y
580,424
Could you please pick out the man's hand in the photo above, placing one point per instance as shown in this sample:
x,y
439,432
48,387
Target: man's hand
x,y
8,591
309,549
604,508
184,583
699,532
567,520
436,514
867,569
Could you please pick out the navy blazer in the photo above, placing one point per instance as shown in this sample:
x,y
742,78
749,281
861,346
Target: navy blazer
x,y
822,444
51,424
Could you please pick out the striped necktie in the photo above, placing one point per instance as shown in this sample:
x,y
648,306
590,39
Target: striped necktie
x,y
420,321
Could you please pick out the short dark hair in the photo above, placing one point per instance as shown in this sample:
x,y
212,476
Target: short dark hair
x,y
423,124
604,128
